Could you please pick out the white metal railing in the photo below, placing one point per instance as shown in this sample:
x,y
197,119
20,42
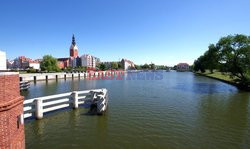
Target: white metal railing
x,y
36,107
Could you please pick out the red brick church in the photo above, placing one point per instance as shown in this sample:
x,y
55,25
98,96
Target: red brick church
x,y
73,53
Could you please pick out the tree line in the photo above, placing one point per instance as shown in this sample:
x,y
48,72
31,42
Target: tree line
x,y
231,54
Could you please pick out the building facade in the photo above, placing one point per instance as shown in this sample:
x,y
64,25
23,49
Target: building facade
x,y
23,63
31,64
88,61
182,67
127,64
73,50
3,65
63,62
73,60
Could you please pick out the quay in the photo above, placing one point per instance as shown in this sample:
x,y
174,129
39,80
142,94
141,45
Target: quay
x,y
55,76
37,107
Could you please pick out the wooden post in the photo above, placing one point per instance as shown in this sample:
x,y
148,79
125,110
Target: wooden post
x,y
74,97
79,75
38,108
35,79
46,78
56,77
72,76
64,76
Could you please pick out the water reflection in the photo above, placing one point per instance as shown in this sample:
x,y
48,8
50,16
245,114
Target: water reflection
x,y
205,88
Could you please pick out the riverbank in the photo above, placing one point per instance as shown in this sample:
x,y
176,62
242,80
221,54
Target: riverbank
x,y
224,78
62,75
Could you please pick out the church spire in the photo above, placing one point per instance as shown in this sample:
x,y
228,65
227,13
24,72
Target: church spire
x,y
73,40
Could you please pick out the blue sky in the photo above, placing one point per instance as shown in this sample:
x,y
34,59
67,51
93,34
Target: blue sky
x,y
144,31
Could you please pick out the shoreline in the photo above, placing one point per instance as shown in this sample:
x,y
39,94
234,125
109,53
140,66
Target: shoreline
x,y
239,86
34,77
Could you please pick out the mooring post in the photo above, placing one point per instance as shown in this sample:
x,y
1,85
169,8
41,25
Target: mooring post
x,y
74,97
38,108
64,76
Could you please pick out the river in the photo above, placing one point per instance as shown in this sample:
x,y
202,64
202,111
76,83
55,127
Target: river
x,y
175,110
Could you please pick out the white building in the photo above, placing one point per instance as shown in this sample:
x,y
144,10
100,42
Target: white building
x,y
34,65
2,60
88,61
127,64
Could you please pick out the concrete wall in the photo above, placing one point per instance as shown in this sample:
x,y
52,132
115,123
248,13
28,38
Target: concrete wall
x,y
53,76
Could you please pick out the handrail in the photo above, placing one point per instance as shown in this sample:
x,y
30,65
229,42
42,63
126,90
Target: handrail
x,y
36,107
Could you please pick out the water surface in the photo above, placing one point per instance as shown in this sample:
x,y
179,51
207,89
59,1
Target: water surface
x,y
177,111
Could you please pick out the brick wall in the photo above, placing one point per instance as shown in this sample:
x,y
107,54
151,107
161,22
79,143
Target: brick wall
x,y
11,110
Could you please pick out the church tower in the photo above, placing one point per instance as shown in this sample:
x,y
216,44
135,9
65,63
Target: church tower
x,y
73,48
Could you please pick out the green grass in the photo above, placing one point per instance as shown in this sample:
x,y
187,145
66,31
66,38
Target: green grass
x,y
219,75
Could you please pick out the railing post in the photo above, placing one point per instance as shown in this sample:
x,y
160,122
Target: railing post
x,y
74,97
38,108
92,95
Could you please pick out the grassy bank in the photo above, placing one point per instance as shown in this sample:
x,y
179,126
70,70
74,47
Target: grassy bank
x,y
218,75
224,78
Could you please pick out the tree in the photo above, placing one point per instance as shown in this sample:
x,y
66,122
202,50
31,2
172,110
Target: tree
x,y
49,64
114,65
235,57
199,64
119,65
81,68
145,66
102,67
152,66
211,58
231,54
138,67
175,67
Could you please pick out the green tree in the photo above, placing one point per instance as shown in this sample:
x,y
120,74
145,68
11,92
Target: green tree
x,y
114,65
199,64
138,67
152,66
49,64
102,67
81,68
211,58
145,66
119,65
235,57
